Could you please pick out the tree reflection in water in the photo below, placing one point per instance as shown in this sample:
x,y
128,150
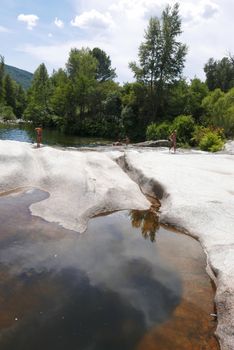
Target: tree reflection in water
x,y
147,221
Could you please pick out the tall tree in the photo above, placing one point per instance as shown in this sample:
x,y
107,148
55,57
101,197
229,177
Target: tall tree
x,y
82,68
21,103
104,70
39,91
161,56
38,108
9,91
62,97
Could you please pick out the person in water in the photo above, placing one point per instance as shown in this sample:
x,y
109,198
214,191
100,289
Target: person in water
x,y
172,139
39,135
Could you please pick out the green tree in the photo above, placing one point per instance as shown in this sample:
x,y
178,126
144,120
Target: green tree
x,y
40,90
220,74
136,109
104,71
38,108
176,99
161,56
9,91
62,99
82,68
20,102
219,110
197,91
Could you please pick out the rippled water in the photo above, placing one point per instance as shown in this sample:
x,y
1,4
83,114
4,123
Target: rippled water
x,y
125,284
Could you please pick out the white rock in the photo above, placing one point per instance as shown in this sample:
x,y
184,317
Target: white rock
x,y
81,184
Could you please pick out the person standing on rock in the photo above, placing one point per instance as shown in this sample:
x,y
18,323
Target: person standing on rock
x,y
127,140
39,135
172,139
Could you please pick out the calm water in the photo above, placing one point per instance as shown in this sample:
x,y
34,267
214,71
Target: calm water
x,y
26,133
125,284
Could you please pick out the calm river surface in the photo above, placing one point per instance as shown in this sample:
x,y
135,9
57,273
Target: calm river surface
x,y
52,137
125,284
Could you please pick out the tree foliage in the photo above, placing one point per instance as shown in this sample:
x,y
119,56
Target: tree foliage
x,y
184,126
220,74
158,132
161,56
219,110
84,99
9,91
38,108
104,71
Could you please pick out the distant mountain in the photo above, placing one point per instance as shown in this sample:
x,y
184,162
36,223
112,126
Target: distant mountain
x,y
21,76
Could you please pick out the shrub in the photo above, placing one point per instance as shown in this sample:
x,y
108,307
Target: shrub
x,y
211,142
40,115
184,126
6,113
201,131
158,132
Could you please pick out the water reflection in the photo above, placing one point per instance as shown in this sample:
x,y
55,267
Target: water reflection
x,y
147,221
102,290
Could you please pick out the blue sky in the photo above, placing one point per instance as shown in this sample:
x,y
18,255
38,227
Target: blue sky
x,y
32,32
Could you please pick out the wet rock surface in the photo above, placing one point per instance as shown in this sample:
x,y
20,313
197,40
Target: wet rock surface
x,y
126,283
196,190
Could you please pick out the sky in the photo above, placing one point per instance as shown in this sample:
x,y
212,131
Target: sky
x,y
32,32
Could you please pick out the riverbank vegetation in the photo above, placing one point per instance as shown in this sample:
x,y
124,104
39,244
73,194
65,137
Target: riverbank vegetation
x,y
85,99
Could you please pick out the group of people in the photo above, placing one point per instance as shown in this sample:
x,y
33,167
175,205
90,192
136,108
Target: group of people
x,y
125,141
172,139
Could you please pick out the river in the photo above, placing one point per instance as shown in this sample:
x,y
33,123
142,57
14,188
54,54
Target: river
x,y
52,137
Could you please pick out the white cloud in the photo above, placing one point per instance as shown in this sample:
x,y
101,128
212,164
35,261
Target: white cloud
x,y
201,11
210,10
57,55
50,35
3,29
207,25
59,23
93,19
31,20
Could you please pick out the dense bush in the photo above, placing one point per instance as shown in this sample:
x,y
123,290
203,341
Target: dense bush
x,y
184,126
201,131
158,132
110,127
211,142
219,110
6,113
40,115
